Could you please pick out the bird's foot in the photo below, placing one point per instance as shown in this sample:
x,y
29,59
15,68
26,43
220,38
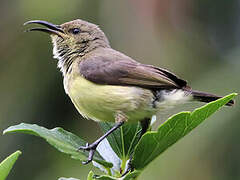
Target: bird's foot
x,y
91,148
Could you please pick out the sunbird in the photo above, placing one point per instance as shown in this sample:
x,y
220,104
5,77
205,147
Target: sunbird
x,y
105,85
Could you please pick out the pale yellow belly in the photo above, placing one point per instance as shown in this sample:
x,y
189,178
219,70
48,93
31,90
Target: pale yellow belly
x,y
102,102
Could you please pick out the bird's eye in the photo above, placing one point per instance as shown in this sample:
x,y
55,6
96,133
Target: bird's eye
x,y
75,30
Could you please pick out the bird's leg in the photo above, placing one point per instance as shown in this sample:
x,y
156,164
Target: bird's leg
x,y
92,147
145,125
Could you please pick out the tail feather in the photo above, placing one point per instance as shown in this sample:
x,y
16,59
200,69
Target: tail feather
x,y
207,97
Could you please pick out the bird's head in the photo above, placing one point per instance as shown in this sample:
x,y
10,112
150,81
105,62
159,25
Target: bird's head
x,y
72,39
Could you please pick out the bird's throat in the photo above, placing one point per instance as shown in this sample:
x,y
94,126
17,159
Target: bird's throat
x,y
62,55
66,53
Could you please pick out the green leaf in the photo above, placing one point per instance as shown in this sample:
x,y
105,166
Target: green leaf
x,y
63,178
106,151
130,176
124,139
90,176
133,175
7,164
104,177
62,140
153,143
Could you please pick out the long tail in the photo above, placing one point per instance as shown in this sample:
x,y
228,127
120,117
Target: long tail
x,y
207,97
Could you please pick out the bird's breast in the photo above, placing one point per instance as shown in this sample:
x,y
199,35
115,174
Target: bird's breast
x,y
102,102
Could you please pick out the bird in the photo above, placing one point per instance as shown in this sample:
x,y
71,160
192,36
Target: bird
x,y
106,85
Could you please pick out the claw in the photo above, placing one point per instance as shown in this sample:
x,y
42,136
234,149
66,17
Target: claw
x,y
130,168
91,148
86,162
84,148
90,157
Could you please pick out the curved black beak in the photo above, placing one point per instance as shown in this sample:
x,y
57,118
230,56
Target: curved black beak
x,y
51,28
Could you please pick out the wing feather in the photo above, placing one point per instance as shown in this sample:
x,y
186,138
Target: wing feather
x,y
122,70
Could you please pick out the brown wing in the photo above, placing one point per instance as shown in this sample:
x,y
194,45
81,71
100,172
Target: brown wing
x,y
127,72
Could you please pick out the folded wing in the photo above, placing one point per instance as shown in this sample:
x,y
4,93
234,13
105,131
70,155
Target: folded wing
x,y
127,72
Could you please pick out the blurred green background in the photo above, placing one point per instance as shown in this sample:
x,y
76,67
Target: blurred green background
x,y
196,39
